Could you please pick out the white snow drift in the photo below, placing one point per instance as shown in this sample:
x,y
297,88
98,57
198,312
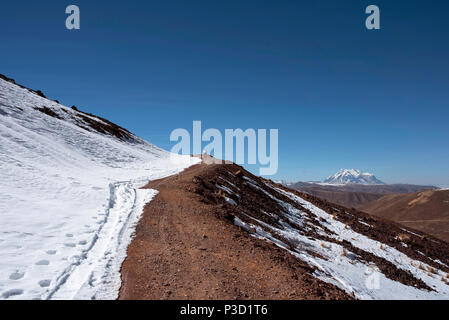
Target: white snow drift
x,y
69,199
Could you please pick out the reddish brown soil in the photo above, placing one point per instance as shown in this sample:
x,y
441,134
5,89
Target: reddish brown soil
x,y
187,247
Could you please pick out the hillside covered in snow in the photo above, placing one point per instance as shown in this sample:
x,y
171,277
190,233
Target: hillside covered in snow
x,y
69,196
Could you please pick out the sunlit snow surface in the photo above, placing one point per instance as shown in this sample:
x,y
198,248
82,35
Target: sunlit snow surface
x,y
69,200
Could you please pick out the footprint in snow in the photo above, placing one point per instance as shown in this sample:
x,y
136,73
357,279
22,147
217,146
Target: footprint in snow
x,y
70,245
16,275
43,263
44,283
69,235
51,252
11,293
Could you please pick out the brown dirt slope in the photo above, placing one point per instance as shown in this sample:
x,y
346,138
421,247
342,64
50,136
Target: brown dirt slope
x,y
427,211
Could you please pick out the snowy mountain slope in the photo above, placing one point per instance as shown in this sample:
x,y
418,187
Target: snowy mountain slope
x,y
367,257
351,176
69,197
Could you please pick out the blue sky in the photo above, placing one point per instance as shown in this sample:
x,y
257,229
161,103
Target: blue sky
x,y
340,95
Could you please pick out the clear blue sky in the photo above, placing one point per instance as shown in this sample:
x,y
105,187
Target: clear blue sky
x,y
340,95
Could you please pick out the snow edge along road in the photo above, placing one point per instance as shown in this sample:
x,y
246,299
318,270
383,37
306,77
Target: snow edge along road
x,y
96,274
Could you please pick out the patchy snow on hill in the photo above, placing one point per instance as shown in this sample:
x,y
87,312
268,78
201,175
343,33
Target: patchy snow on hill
x,y
69,197
336,264
366,257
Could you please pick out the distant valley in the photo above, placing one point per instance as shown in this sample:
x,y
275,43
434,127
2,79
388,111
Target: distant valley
x,y
423,208
427,211
352,188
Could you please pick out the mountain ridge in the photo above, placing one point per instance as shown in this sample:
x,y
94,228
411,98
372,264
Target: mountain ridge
x,y
355,195
337,245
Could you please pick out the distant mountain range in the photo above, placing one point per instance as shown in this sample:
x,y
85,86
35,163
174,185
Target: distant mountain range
x,y
354,188
352,176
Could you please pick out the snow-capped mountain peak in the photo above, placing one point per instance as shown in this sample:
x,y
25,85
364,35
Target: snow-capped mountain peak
x,y
352,176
